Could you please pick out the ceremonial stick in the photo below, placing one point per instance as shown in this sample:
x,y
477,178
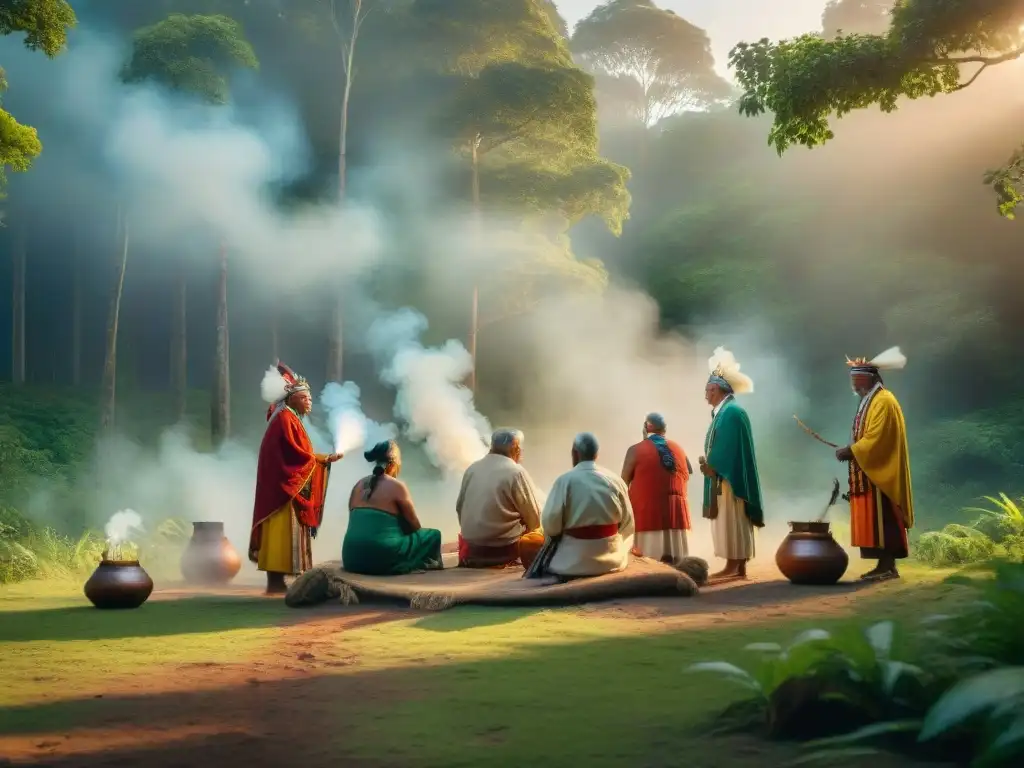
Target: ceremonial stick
x,y
832,499
813,434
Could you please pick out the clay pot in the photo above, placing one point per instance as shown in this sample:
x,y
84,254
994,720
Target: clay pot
x,y
119,584
209,559
810,555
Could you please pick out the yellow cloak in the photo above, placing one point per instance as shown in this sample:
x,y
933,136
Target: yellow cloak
x,y
881,452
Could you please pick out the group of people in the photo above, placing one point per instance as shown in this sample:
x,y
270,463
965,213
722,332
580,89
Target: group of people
x,y
593,519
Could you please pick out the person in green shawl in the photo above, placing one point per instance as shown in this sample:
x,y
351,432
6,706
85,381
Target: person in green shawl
x,y
384,536
732,490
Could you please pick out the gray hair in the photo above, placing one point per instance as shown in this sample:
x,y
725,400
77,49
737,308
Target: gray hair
x,y
504,440
586,446
656,421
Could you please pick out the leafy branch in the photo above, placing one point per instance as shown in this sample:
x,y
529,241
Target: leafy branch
x,y
808,80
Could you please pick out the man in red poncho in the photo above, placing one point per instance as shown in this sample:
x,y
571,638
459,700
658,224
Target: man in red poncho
x,y
291,483
657,471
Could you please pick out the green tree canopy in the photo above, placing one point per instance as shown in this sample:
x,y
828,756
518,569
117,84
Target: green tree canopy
x,y
930,47
45,24
650,60
193,54
521,112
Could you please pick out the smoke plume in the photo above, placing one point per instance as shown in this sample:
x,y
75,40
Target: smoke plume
x,y
349,427
430,399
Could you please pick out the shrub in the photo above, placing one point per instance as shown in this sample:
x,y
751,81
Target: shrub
x,y
983,648
999,530
823,683
954,545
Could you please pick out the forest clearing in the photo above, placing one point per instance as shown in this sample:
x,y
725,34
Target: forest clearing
x,y
351,293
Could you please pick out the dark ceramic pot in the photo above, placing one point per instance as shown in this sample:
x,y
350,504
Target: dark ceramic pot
x,y
810,555
209,558
119,584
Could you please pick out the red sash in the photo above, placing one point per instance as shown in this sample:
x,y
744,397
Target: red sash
x,y
593,532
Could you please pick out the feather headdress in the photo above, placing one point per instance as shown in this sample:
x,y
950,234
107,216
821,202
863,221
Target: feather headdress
x,y
280,382
890,360
725,372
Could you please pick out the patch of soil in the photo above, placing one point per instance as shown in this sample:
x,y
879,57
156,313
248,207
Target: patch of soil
x,y
270,710
287,705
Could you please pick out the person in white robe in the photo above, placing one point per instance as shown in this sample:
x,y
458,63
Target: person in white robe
x,y
587,517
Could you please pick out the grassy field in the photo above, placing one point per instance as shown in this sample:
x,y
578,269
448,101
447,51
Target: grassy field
x,y
600,686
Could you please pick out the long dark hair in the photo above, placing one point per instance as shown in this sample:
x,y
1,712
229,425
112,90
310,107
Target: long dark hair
x,y
383,455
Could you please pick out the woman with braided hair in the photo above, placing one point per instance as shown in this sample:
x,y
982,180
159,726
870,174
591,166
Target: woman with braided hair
x,y
384,536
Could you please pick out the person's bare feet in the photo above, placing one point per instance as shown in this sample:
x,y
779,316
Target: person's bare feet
x,y
734,569
275,584
729,572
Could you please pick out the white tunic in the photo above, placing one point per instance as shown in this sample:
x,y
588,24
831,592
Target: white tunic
x,y
732,533
588,495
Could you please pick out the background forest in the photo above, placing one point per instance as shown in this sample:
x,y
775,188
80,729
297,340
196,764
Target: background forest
x,y
304,163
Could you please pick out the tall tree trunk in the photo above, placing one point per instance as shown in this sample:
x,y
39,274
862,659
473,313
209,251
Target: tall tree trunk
x,y
18,305
179,345
109,403
220,421
474,320
76,313
335,345
335,349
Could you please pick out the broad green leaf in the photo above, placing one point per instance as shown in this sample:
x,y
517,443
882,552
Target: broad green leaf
x,y
810,636
763,647
892,671
880,636
971,696
728,670
867,732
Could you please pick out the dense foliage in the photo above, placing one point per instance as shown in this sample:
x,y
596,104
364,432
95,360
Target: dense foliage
x,y
953,688
45,25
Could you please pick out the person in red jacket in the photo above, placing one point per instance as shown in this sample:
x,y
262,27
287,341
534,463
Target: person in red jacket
x,y
656,470
291,483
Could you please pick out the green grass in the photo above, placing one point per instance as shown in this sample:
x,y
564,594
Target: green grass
x,y
464,687
600,692
54,644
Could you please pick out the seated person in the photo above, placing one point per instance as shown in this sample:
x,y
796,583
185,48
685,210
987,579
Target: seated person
x,y
497,507
384,536
587,519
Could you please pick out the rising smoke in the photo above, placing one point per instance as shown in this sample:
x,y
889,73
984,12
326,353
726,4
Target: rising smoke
x,y
430,398
594,363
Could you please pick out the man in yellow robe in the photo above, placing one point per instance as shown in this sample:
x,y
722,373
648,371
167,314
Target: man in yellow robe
x,y
881,499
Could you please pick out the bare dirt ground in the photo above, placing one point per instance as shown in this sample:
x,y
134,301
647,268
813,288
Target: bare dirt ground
x,y
286,706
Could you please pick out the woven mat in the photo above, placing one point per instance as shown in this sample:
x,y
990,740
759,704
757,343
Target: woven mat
x,y
439,590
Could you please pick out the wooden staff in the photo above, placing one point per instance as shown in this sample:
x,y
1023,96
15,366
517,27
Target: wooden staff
x,y
814,434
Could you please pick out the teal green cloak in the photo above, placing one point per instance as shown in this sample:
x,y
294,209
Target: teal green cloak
x,y
729,448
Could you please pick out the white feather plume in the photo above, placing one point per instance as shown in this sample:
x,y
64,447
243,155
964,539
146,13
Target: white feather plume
x,y
723,363
890,360
274,387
